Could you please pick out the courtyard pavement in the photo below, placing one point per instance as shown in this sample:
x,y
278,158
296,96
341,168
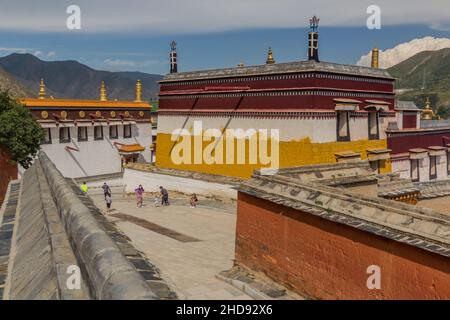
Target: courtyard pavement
x,y
188,245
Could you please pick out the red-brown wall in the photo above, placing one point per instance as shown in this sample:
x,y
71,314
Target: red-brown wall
x,y
8,171
401,142
326,260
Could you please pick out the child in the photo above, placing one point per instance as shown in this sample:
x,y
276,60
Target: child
x,y
108,200
194,201
157,201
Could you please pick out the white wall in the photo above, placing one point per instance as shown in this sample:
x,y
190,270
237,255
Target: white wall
x,y
95,157
151,182
317,129
403,167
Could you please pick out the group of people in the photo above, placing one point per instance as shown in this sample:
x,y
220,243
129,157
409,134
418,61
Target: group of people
x,y
161,199
106,191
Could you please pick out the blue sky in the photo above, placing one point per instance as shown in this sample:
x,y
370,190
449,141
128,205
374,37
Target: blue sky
x,y
137,45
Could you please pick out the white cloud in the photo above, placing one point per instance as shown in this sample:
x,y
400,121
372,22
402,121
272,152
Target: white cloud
x,y
403,51
18,50
37,53
122,64
118,63
51,54
194,16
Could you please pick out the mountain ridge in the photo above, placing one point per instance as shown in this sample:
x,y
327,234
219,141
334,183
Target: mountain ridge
x,y
70,79
425,74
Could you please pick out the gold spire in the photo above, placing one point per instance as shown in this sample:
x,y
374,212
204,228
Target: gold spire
x,y
42,92
270,59
375,58
138,91
427,112
103,92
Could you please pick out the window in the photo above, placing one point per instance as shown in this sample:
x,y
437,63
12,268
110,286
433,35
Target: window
x,y
375,166
98,133
374,133
433,167
127,131
415,170
343,128
448,163
113,132
82,134
64,135
47,136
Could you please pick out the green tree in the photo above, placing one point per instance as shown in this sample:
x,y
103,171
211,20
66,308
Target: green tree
x,y
20,134
443,112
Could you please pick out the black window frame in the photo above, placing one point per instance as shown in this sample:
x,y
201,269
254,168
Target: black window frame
x,y
116,136
67,140
338,117
125,136
448,163
79,134
95,133
374,136
417,161
433,176
49,140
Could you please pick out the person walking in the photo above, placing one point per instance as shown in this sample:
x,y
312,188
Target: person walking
x,y
106,189
139,196
108,200
84,187
164,196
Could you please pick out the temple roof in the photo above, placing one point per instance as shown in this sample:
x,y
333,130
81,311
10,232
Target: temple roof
x,y
279,68
67,103
406,106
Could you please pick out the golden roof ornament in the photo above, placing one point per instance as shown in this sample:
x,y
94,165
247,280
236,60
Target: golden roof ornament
x,y
42,91
427,112
138,91
103,92
270,59
375,58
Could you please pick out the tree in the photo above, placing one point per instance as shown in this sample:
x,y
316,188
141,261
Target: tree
x,y
20,134
443,112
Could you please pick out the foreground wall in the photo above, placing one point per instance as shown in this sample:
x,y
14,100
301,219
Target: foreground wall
x,y
8,172
326,260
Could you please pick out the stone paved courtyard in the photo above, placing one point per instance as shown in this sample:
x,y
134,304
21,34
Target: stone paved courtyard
x,y
189,246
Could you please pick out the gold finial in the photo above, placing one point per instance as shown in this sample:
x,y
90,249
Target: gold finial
x,y
42,92
375,58
138,91
103,92
270,59
427,112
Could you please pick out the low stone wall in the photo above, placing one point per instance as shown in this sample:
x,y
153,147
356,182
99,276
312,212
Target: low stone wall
x,y
151,181
110,275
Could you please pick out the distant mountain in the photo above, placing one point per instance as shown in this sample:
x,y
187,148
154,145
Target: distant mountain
x,y
424,74
73,80
7,82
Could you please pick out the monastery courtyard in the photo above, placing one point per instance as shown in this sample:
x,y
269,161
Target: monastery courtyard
x,y
189,246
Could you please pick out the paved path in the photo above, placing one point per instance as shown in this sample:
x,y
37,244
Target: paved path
x,y
189,246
